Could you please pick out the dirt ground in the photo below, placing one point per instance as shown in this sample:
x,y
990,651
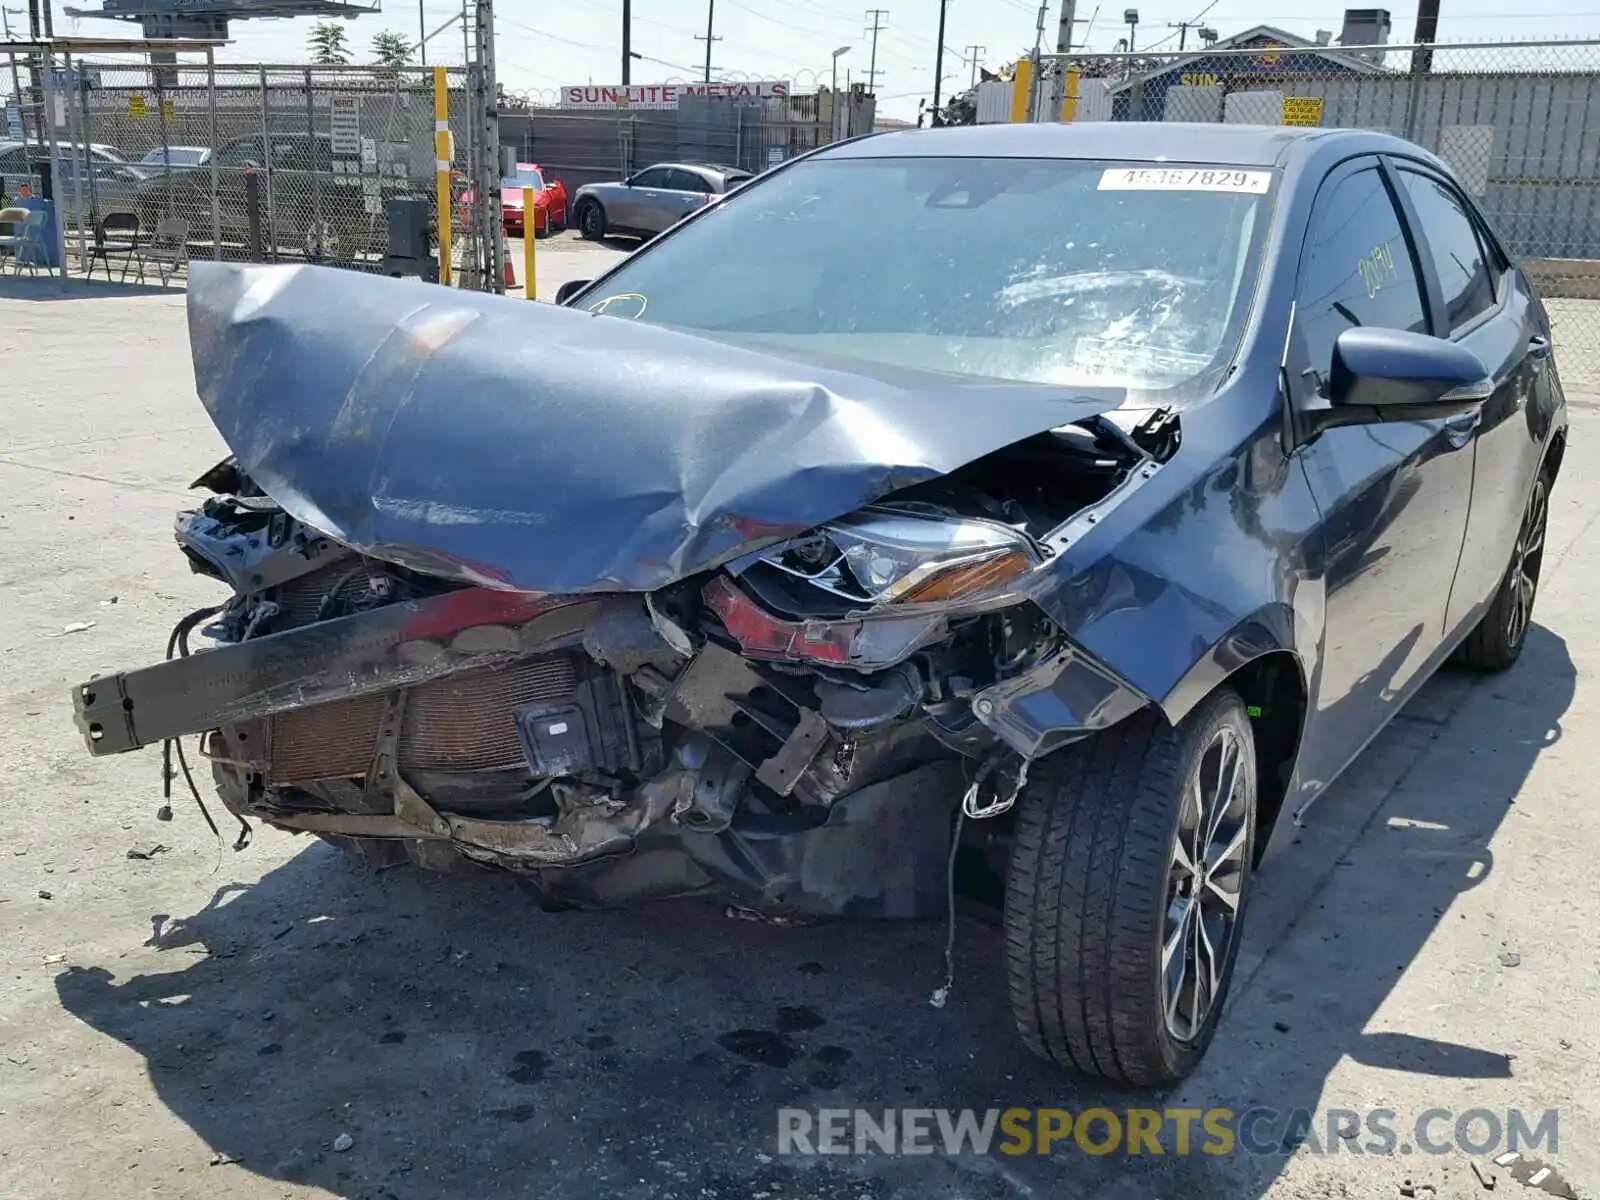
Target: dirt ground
x,y
279,1022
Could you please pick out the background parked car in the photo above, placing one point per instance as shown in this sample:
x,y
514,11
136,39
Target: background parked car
x,y
653,200
550,202
179,158
109,185
316,211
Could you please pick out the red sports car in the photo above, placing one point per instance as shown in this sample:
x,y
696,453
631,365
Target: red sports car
x,y
550,201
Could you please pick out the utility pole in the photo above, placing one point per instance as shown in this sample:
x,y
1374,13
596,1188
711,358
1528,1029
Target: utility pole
x,y
1427,34
711,12
422,33
1183,32
487,117
938,66
1058,83
879,21
627,39
977,53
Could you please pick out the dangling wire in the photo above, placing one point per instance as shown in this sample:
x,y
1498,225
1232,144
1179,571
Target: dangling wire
x,y
970,808
178,642
942,992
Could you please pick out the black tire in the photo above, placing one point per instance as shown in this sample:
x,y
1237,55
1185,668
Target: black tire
x,y
1094,890
1496,642
592,220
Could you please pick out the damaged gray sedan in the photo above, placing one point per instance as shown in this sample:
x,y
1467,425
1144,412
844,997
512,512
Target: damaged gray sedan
x,y
997,504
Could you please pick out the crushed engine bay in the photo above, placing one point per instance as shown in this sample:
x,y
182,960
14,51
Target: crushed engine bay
x,y
795,729
632,611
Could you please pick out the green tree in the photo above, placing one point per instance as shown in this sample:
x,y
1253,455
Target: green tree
x,y
392,49
329,43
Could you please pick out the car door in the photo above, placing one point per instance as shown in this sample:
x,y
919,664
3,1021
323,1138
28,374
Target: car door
x,y
639,200
1393,496
690,192
1489,308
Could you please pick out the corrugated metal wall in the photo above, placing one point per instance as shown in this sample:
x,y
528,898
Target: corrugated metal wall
x,y
1534,160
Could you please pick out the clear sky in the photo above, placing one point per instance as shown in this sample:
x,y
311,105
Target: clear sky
x,y
546,43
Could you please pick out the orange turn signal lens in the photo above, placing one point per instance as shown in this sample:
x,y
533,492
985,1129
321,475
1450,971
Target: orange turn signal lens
x,y
964,580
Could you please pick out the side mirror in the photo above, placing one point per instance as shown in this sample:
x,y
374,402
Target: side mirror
x,y
1394,375
571,288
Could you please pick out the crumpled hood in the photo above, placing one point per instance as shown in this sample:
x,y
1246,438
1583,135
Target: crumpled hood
x,y
541,448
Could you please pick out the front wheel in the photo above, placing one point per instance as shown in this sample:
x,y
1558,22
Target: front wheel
x,y
1130,867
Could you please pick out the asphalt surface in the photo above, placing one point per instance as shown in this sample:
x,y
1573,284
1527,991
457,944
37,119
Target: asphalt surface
x,y
205,1023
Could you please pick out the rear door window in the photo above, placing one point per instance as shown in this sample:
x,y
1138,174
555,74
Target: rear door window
x,y
1465,276
654,177
686,181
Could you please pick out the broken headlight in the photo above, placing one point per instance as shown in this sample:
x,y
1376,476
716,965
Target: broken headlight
x,y
883,556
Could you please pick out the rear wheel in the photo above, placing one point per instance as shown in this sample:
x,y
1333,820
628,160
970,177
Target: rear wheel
x,y
1497,640
1129,872
591,220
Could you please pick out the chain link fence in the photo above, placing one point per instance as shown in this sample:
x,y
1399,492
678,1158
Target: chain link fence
x,y
581,146
260,163
1519,123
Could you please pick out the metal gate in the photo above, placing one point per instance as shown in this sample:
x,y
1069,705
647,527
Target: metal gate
x,y
257,163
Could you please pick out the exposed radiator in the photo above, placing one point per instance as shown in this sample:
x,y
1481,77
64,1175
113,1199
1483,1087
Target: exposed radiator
x,y
459,723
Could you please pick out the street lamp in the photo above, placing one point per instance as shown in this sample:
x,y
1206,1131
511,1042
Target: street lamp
x,y
833,93
1130,18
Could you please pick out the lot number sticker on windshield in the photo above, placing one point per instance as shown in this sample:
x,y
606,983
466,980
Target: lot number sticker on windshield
x,y
1183,179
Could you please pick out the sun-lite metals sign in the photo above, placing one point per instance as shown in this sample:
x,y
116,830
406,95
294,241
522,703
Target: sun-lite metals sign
x,y
666,95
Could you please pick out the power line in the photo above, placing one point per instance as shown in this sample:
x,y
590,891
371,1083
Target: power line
x,y
782,24
554,37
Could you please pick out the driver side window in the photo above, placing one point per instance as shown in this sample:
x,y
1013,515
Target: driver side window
x,y
1355,269
653,178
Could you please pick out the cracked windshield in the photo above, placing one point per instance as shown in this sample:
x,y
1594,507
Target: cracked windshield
x,y
1077,273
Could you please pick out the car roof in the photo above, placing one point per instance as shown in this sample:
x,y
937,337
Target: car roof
x,y
1129,141
102,147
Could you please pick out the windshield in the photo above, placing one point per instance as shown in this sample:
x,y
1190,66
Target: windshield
x,y
526,177
1048,271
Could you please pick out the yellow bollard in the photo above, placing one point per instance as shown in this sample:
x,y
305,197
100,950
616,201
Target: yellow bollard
x,y
530,229
441,169
1021,90
1069,97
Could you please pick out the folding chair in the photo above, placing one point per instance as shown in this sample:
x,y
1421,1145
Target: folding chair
x,y
116,234
167,249
27,245
10,218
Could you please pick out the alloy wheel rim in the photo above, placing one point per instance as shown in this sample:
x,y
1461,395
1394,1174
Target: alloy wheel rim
x,y
1525,562
1205,885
